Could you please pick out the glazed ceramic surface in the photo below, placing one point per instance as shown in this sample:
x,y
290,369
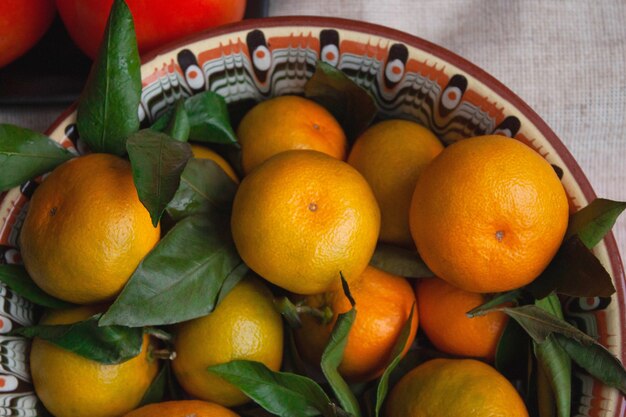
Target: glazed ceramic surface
x,y
408,77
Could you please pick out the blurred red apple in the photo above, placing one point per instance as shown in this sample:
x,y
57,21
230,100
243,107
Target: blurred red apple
x,y
22,24
156,21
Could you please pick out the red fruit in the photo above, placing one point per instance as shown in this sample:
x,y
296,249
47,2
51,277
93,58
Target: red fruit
x,y
156,21
22,24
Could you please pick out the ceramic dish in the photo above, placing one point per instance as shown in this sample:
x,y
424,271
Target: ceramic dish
x,y
409,78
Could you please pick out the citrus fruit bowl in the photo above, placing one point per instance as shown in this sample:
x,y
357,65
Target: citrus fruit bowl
x,y
409,78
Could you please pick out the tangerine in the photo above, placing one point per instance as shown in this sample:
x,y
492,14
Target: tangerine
x,y
383,304
488,214
288,122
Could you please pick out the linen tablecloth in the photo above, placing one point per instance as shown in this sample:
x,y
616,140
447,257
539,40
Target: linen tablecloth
x,y
566,59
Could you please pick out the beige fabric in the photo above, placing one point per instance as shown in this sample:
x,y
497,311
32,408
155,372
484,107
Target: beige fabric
x,y
565,58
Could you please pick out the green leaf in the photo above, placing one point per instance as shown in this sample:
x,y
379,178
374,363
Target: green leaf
x,y
173,390
208,119
25,154
555,366
232,279
353,107
552,305
546,405
104,344
16,278
156,391
178,127
108,105
292,360
396,355
332,356
181,278
591,223
582,348
597,360
512,351
252,410
554,361
539,324
204,189
574,271
157,162
281,393
400,261
497,300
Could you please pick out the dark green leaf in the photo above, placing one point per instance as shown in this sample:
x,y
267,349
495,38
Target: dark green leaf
x,y
204,188
208,119
540,324
346,289
396,357
178,127
181,278
157,162
156,390
25,154
583,349
108,106
353,107
415,356
331,358
399,261
594,221
512,351
16,278
555,366
292,360
546,405
574,271
553,360
161,123
105,344
231,280
495,301
252,410
597,360
174,391
280,393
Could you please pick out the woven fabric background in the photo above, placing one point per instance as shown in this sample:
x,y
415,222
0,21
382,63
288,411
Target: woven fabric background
x,y
565,58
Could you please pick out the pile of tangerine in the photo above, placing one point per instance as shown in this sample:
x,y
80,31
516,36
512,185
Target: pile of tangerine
x,y
486,214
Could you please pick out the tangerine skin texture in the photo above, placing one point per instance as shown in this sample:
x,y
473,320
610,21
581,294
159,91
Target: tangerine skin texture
x,y
86,231
453,388
70,385
245,325
288,122
488,214
303,217
443,306
383,305
391,155
182,409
